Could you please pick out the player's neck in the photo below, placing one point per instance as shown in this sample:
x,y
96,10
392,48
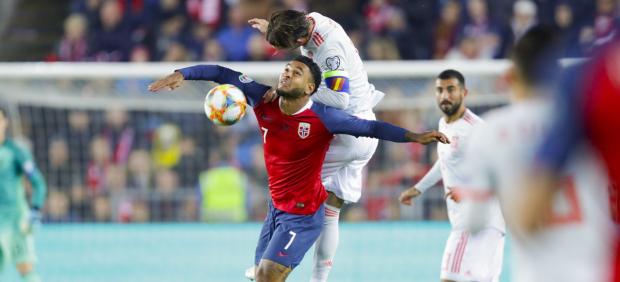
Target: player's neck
x,y
290,106
456,116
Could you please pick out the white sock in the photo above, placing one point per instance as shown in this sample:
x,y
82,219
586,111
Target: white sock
x,y
325,247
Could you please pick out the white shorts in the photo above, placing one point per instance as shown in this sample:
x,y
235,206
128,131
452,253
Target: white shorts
x,y
476,257
342,172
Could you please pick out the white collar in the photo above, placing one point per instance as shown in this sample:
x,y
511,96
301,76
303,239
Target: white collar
x,y
305,107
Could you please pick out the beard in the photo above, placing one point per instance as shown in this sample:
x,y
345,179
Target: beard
x,y
295,93
449,108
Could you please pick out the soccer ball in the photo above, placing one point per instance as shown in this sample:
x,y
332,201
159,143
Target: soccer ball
x,y
225,104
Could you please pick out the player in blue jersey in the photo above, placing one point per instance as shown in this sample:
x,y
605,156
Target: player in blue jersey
x,y
17,218
296,135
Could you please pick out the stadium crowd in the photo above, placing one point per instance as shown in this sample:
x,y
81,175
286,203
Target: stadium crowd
x,y
217,30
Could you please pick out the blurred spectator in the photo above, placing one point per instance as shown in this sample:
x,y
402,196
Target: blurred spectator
x,y
170,25
102,210
78,136
73,46
139,170
166,146
119,134
486,34
378,14
212,51
164,204
223,189
602,28
208,12
523,18
258,48
447,28
176,52
79,204
564,22
382,49
115,179
57,206
235,36
192,162
98,165
89,8
110,39
58,172
467,49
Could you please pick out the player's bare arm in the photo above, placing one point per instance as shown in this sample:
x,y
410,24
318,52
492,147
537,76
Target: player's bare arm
x,y
407,196
169,82
259,24
427,137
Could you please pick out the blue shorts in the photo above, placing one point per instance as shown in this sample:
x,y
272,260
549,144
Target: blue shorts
x,y
285,238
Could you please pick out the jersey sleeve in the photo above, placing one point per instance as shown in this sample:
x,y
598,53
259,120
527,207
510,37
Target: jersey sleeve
x,y
430,178
253,90
334,90
339,122
566,129
26,165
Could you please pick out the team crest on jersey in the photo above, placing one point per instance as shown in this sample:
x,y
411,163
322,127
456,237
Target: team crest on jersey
x,y
303,130
332,63
245,79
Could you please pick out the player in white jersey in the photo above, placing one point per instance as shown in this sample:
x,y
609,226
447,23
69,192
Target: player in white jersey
x,y
574,246
345,85
467,257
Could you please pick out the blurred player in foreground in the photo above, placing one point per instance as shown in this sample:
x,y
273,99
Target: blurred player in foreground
x,y
574,244
345,86
586,112
296,135
18,220
467,257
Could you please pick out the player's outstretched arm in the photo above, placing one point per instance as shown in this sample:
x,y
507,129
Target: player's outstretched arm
x,y
340,122
253,90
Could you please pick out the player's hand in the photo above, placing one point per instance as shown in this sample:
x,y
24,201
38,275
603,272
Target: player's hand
x,y
34,220
453,195
406,197
170,82
259,24
428,137
270,96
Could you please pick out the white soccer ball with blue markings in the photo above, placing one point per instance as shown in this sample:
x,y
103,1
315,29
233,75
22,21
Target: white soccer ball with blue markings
x,y
225,104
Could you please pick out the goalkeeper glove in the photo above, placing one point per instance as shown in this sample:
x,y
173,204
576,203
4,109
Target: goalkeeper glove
x,y
34,220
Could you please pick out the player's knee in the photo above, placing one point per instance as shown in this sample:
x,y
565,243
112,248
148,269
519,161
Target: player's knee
x,y
24,268
271,272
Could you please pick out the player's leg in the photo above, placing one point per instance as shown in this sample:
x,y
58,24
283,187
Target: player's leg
x,y
343,185
473,257
24,257
271,271
292,238
266,233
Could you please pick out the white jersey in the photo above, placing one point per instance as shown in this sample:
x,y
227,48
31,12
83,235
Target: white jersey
x,y
331,48
574,247
448,168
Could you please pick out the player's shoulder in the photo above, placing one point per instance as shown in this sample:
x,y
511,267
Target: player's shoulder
x,y
472,118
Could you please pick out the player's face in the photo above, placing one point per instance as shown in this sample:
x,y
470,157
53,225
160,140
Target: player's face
x,y
294,80
449,94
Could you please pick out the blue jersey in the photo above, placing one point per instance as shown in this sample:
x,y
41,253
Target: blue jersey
x,y
295,145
